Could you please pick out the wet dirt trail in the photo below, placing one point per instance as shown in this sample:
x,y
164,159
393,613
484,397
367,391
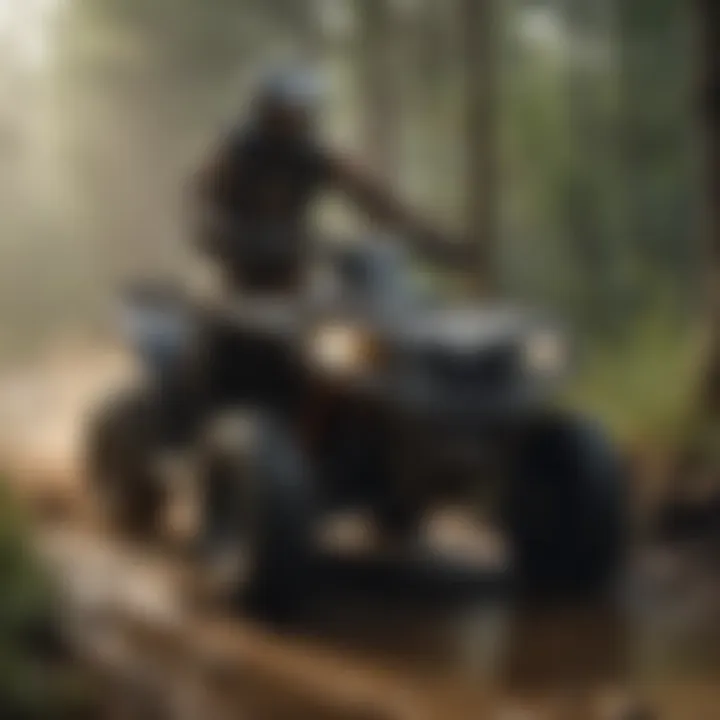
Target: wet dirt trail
x,y
371,648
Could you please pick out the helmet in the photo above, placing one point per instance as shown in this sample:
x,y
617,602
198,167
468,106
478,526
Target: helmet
x,y
294,88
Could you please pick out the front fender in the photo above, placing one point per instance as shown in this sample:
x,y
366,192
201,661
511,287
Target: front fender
x,y
160,338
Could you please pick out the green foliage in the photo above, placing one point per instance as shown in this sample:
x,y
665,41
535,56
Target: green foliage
x,y
601,176
30,688
644,384
25,597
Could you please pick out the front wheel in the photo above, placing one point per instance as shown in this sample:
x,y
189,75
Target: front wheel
x,y
565,509
258,515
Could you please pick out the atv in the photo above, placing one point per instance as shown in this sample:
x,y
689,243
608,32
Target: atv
x,y
371,390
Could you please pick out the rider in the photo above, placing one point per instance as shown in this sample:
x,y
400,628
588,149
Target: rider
x,y
256,193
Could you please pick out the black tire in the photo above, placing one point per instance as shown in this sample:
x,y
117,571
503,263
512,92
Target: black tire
x,y
261,496
565,510
122,439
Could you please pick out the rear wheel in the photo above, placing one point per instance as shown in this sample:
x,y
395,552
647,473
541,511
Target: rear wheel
x,y
565,509
122,439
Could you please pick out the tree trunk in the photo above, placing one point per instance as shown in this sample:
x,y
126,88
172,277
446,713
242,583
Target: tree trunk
x,y
480,45
658,131
709,17
434,62
377,70
586,24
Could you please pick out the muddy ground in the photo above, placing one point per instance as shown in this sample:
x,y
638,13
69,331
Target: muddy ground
x,y
468,652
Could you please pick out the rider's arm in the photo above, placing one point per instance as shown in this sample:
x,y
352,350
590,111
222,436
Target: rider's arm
x,y
382,206
372,197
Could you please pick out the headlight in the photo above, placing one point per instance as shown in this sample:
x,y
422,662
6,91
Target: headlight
x,y
546,353
341,349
